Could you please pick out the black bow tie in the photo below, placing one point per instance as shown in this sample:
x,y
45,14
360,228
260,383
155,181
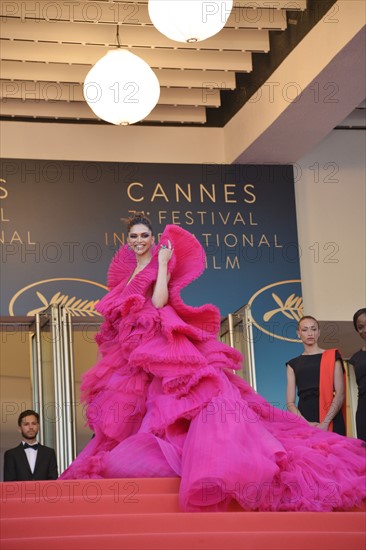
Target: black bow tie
x,y
27,446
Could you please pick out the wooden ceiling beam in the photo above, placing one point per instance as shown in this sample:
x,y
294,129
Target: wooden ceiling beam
x,y
63,72
17,108
245,15
56,91
149,37
156,57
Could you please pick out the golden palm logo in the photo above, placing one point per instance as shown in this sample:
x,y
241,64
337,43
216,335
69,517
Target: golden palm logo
x,y
39,295
76,307
286,314
291,308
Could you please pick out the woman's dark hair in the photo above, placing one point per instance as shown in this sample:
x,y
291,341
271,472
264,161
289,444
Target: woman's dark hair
x,y
139,217
357,315
28,412
307,317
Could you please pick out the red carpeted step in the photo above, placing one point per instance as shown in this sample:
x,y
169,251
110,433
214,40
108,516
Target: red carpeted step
x,y
22,489
92,503
140,514
194,541
212,521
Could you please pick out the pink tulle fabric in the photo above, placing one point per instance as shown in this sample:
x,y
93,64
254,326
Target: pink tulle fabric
x,y
163,401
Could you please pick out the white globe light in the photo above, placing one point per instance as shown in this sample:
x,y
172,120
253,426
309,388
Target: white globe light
x,y
189,20
121,88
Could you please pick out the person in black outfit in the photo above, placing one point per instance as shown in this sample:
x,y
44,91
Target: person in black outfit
x,y
358,360
30,460
303,373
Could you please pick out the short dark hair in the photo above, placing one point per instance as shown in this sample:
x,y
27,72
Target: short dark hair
x,y
307,317
358,313
28,412
139,217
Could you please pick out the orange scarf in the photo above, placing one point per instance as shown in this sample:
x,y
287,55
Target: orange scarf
x,y
326,386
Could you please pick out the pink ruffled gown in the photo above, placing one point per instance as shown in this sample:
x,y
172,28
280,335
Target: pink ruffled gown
x,y
163,401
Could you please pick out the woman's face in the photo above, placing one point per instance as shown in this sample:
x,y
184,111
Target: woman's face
x,y
308,332
361,326
140,239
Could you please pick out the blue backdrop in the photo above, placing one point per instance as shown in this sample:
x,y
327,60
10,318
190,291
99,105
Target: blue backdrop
x,y
63,221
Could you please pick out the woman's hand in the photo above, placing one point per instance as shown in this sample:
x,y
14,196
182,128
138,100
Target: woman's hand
x,y
324,426
160,295
165,253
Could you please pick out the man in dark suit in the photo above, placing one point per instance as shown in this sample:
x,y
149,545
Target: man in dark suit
x,y
30,461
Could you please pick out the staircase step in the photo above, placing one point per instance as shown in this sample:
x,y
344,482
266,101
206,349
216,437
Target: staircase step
x,y
140,514
65,523
131,486
92,504
302,540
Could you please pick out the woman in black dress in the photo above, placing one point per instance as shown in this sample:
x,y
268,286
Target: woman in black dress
x,y
358,360
318,376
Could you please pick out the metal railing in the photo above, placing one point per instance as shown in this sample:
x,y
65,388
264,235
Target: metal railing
x,y
237,332
53,382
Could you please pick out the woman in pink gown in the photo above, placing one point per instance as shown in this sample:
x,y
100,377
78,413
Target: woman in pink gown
x,y
163,400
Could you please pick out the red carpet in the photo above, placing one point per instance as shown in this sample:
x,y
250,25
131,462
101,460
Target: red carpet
x,y
142,514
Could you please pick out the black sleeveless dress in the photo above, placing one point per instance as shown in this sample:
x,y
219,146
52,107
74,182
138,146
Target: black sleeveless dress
x,y
307,374
358,360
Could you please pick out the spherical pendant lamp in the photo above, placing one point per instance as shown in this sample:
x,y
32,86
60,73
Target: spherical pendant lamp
x,y
189,20
121,88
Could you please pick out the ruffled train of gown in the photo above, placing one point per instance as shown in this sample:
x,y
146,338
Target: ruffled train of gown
x,y
163,401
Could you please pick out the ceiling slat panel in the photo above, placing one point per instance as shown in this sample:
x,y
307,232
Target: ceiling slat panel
x,y
45,91
249,18
156,58
79,33
296,5
166,113
55,91
177,96
49,46
126,13
129,14
80,110
62,72
54,109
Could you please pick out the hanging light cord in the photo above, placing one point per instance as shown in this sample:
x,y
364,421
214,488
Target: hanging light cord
x,y
117,37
